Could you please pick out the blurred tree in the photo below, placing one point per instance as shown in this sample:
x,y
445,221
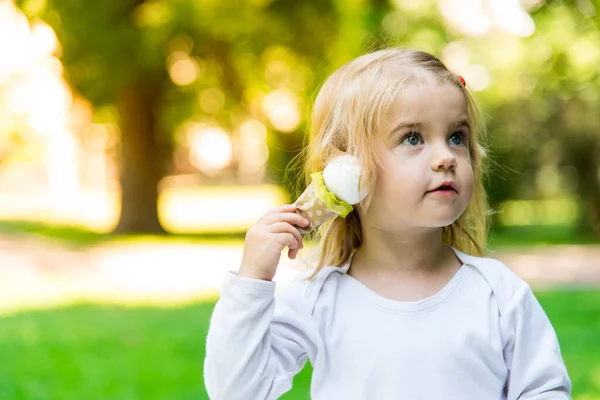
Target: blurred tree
x,y
163,63
113,54
149,59
543,108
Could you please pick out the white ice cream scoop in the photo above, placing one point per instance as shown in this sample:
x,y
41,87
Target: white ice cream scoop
x,y
332,192
342,177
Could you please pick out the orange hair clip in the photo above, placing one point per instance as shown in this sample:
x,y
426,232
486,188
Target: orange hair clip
x,y
462,81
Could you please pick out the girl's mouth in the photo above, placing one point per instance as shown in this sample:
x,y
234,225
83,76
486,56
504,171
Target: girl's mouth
x,y
445,186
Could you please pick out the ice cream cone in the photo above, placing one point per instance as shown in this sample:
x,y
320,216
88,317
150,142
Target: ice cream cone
x,y
333,192
311,207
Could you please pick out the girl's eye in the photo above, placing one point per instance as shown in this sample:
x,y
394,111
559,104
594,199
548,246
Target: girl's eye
x,y
461,138
413,139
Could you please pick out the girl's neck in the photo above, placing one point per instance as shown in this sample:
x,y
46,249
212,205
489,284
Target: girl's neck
x,y
420,253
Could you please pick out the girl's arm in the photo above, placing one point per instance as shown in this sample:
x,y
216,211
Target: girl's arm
x,y
257,343
532,352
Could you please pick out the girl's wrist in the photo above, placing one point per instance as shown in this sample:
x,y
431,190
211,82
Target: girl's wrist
x,y
253,273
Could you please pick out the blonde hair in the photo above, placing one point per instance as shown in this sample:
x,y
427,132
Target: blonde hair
x,y
350,108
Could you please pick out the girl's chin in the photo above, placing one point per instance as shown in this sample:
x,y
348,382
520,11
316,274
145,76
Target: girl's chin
x,y
443,222
396,223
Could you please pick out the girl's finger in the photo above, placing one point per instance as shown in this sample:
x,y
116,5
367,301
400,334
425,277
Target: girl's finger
x,y
284,227
292,253
281,209
289,217
284,208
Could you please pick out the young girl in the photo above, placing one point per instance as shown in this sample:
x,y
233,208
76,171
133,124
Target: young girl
x,y
402,304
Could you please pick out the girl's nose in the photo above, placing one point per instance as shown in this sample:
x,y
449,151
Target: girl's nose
x,y
443,159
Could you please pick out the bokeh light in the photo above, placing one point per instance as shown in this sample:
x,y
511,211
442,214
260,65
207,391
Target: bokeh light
x,y
478,17
255,152
210,148
183,69
281,107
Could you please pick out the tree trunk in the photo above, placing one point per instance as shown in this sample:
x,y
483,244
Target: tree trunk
x,y
140,161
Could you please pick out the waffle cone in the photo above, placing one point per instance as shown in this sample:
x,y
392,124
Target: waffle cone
x,y
311,207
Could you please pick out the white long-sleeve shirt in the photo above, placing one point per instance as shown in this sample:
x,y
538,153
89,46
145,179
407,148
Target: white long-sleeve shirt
x,y
483,336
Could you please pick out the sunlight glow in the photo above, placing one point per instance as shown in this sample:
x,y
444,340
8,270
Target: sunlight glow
x,y
468,16
16,45
478,17
254,149
49,103
35,92
477,77
183,69
281,107
510,17
196,209
44,39
456,57
217,208
210,147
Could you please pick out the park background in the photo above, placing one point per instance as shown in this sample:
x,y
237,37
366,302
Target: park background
x,y
140,139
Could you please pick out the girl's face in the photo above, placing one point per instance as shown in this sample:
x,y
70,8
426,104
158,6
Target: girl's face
x,y
423,144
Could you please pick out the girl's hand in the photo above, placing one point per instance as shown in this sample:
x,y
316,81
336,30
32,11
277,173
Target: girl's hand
x,y
267,238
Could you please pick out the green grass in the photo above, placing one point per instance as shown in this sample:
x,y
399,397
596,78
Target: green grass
x,y
107,352
101,352
539,235
78,237
576,318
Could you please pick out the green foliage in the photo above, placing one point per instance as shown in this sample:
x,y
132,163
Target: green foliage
x,y
541,104
107,45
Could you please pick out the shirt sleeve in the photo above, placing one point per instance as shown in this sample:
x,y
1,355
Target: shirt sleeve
x,y
532,352
257,341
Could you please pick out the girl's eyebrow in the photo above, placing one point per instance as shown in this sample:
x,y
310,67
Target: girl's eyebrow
x,y
407,124
463,124
419,126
